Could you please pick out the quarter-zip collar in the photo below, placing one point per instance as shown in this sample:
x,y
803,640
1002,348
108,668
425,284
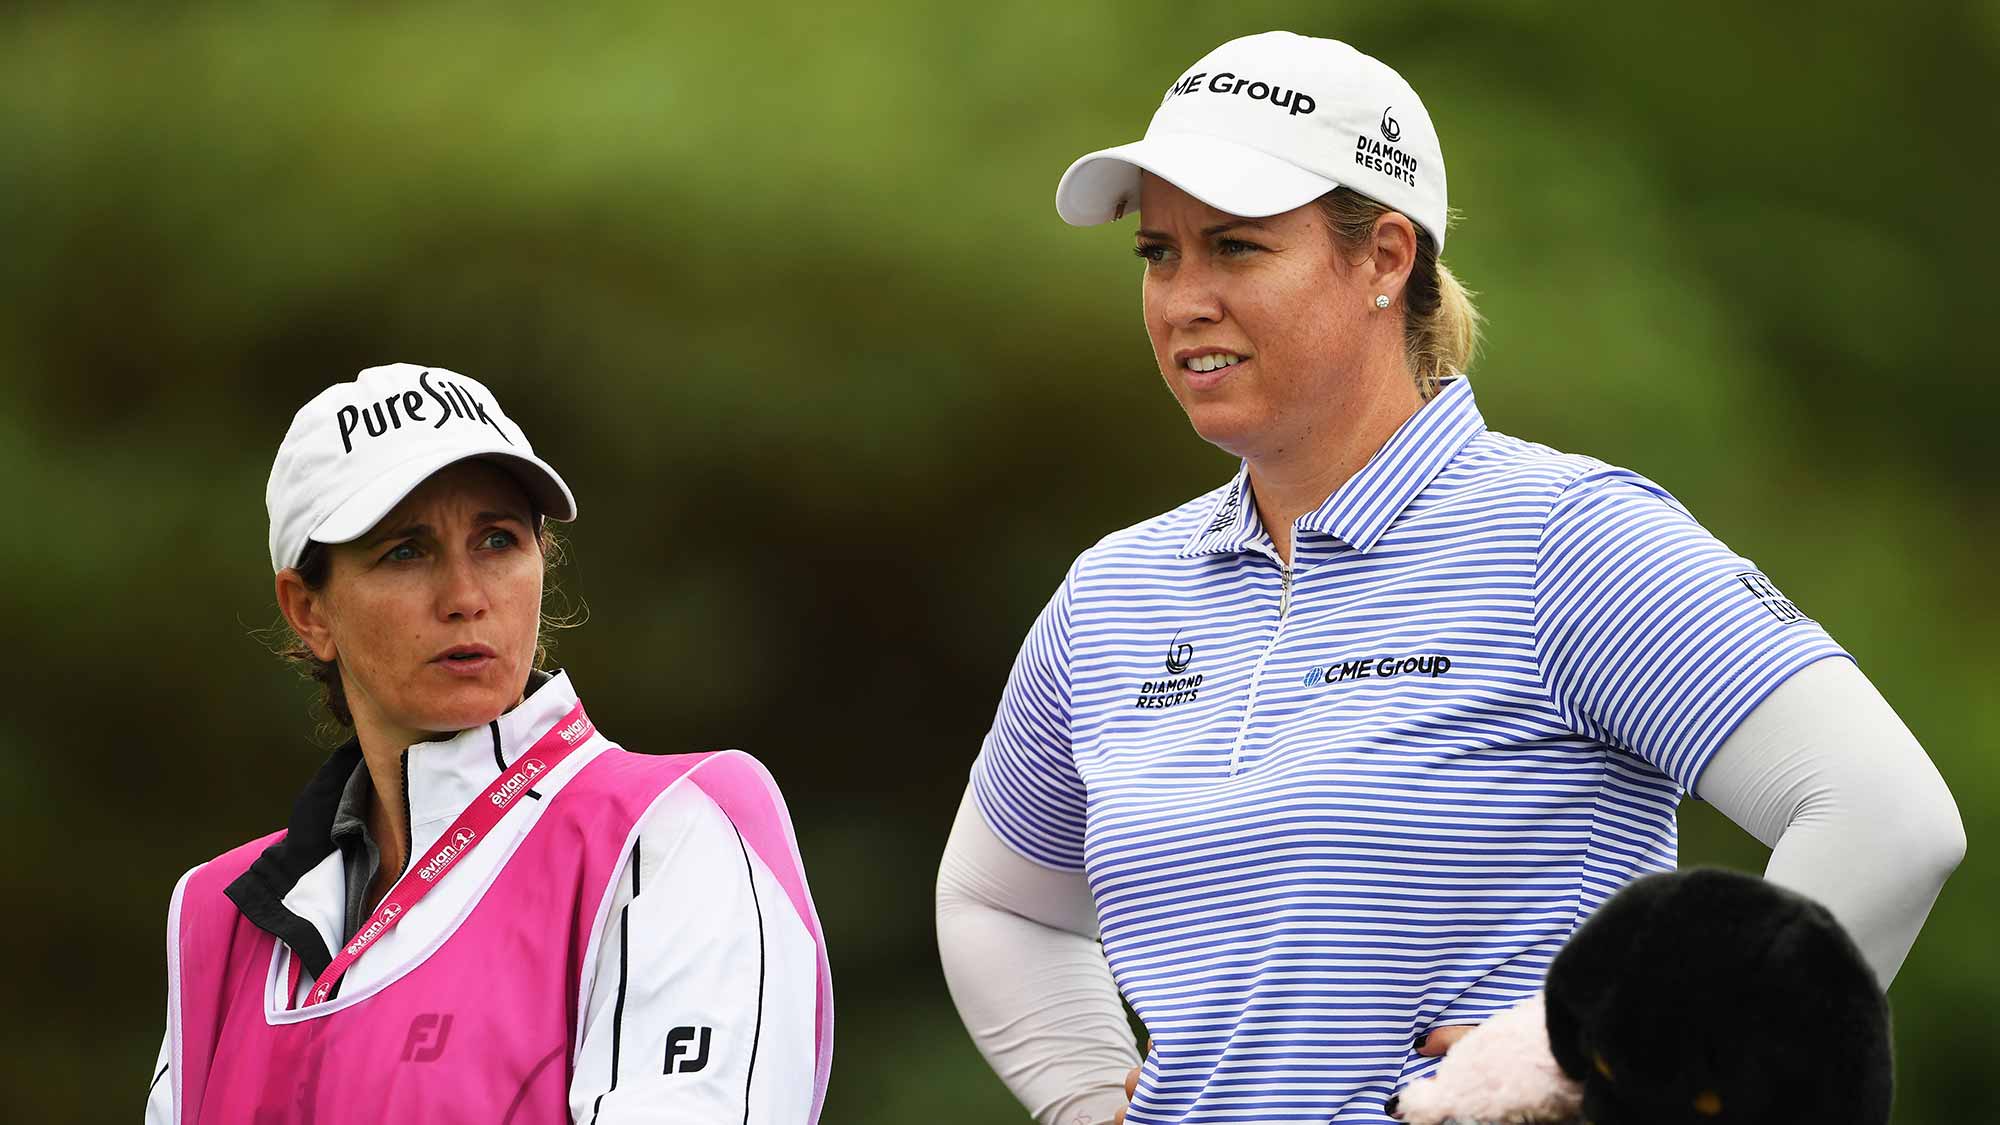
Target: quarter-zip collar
x,y
1230,526
1359,511
440,779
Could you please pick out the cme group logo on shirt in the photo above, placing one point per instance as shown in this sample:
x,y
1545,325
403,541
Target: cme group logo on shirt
x,y
1178,687
1377,668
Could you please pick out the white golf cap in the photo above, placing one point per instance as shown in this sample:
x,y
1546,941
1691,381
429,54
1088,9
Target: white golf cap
x,y
358,448
1271,122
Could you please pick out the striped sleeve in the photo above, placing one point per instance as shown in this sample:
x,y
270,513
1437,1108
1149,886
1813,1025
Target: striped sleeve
x,y
1654,637
1025,780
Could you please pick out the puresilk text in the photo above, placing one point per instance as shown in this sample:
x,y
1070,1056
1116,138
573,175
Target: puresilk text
x,y
378,418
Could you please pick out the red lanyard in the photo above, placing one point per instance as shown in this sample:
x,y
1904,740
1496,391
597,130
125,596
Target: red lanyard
x,y
465,833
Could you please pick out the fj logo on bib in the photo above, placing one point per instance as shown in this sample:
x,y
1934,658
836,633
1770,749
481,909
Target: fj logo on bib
x,y
687,1049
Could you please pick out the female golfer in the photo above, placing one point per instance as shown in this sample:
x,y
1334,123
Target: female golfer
x,y
1338,754
482,909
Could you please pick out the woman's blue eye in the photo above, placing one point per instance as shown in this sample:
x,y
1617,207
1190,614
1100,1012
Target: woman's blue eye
x,y
1151,251
402,552
499,540
1237,246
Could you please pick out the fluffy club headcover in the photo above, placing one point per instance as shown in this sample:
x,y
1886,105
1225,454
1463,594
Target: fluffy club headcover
x,y
1711,997
1501,1073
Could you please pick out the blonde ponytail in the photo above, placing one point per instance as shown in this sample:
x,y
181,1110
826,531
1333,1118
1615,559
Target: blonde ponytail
x,y
1441,327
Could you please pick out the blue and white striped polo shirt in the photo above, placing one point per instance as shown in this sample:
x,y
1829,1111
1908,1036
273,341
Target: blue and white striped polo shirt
x,y
1326,807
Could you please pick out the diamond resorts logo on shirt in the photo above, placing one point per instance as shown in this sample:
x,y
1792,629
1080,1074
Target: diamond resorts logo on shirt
x,y
1177,688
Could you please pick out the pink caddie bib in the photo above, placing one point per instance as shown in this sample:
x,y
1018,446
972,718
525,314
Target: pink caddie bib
x,y
485,1028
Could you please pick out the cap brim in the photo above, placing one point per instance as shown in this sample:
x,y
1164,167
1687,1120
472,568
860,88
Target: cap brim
x,y
363,510
1229,177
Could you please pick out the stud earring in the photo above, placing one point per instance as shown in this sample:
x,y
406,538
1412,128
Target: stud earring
x,y
1381,300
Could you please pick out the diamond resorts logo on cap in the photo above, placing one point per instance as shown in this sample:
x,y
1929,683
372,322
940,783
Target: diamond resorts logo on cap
x,y
1271,122
359,447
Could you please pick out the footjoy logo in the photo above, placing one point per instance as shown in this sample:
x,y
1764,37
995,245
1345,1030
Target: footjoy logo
x,y
575,730
682,1041
377,418
1392,130
390,912
1296,101
460,840
427,1036
513,786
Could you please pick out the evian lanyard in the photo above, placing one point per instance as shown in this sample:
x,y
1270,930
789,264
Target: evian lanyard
x,y
465,833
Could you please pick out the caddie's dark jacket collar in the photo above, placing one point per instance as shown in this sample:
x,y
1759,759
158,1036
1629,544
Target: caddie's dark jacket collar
x,y
260,891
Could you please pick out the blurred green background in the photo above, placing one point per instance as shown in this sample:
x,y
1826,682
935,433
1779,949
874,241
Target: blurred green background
x,y
783,292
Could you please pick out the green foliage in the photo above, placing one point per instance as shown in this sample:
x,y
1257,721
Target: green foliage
x,y
784,294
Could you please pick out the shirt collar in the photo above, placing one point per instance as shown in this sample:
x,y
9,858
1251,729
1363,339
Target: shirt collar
x,y
455,769
350,817
1360,510
1229,525
444,776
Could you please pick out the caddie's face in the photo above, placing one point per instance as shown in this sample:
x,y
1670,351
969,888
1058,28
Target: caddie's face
x,y
433,613
1256,324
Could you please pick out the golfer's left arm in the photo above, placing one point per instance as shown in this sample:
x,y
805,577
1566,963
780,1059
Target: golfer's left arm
x,y
1854,812
702,1009
1659,640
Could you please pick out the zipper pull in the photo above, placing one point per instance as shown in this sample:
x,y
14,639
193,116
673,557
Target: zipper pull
x,y
1284,591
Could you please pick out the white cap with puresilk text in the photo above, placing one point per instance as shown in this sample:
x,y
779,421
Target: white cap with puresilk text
x,y
1271,122
359,447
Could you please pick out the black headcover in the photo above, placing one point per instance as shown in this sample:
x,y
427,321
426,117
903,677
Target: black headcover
x,y
1712,997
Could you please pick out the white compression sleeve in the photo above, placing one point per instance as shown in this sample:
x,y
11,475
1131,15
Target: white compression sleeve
x,y
1855,814
1019,946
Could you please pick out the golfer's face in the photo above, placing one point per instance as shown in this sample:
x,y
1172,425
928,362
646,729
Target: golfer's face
x,y
1251,320
434,612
